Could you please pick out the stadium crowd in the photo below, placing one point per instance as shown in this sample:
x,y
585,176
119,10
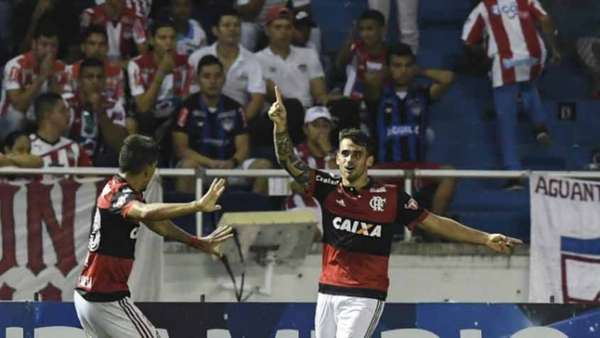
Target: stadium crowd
x,y
198,77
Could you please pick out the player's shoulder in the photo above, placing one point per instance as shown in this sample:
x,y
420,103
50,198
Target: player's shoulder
x,y
230,104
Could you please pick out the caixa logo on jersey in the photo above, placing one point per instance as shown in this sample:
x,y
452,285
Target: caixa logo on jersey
x,y
580,268
357,227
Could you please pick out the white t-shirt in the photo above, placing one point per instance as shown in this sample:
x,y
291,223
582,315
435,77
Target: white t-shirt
x,y
244,77
193,40
293,74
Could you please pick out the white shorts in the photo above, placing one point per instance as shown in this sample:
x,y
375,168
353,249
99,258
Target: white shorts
x,y
346,317
118,319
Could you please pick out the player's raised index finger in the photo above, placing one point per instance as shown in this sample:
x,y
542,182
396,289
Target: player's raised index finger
x,y
278,95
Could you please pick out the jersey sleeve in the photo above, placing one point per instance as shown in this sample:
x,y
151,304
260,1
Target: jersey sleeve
x,y
320,184
12,74
473,28
256,81
315,69
136,84
122,201
410,212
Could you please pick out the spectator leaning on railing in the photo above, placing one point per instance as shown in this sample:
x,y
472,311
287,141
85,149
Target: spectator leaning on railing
x,y
16,151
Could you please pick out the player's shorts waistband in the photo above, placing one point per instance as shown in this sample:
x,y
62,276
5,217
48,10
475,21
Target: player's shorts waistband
x,y
352,292
103,297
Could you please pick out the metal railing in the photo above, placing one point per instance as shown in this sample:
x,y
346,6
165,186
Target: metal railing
x,y
201,175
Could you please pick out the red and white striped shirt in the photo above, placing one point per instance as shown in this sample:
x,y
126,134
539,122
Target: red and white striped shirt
x,y
19,73
123,35
174,88
115,80
514,44
62,153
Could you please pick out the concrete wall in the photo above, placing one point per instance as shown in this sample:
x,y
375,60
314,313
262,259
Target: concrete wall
x,y
418,273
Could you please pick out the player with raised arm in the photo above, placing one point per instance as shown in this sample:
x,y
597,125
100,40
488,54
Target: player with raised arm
x,y
102,296
360,216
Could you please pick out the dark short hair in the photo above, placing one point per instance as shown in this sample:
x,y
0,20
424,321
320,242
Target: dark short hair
x,y
358,137
44,103
400,49
162,22
208,60
46,27
227,12
137,153
11,139
89,63
94,29
372,14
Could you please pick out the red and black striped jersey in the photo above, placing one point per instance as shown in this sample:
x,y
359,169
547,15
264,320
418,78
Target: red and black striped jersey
x,y
358,227
111,244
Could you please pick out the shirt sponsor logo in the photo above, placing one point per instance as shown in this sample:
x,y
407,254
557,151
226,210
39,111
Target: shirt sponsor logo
x,y
402,130
326,180
357,227
377,203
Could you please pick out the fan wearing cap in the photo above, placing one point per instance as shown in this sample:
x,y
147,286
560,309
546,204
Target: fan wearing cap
x,y
317,152
254,14
297,71
306,33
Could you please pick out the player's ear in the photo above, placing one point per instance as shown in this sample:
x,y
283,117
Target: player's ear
x,y
370,161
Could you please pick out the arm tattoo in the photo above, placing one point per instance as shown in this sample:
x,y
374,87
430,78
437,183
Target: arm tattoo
x,y
289,160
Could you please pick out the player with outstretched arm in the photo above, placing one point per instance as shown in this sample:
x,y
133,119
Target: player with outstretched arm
x,y
102,296
360,216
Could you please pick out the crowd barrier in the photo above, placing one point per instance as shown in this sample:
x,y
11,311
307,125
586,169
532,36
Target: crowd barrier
x,y
295,320
202,175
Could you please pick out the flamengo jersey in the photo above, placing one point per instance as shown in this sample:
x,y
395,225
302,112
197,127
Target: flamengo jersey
x,y
62,153
357,234
111,245
122,35
517,50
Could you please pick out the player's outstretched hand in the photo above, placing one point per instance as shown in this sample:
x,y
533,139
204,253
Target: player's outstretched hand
x,y
210,244
277,112
502,244
208,202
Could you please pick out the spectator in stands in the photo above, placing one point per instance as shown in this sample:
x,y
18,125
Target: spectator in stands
x,y
126,30
402,124
53,119
190,35
95,46
296,71
98,120
17,152
306,33
408,11
363,57
30,74
518,54
244,80
317,152
255,13
28,14
159,81
211,130
588,49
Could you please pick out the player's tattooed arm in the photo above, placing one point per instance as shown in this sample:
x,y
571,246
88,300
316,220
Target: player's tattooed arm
x,y
288,159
